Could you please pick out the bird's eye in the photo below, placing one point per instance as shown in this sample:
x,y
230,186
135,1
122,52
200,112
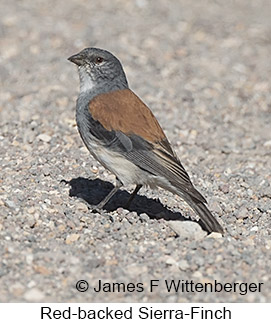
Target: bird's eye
x,y
98,60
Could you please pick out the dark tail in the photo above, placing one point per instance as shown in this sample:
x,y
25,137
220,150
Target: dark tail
x,y
209,222
197,202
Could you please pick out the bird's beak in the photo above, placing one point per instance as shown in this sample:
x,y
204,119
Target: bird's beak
x,y
77,59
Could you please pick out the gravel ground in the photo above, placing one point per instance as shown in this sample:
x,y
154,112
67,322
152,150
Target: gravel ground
x,y
204,68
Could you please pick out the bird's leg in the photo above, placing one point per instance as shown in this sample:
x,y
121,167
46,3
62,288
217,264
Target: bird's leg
x,y
108,197
138,187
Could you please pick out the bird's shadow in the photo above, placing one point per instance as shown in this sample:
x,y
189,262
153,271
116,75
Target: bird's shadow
x,y
93,191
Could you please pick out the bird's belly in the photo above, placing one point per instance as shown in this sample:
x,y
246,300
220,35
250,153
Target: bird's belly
x,y
127,172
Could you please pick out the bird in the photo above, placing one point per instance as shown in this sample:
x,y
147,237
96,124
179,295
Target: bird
x,y
122,133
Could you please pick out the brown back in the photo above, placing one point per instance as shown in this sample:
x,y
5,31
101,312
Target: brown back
x,y
123,111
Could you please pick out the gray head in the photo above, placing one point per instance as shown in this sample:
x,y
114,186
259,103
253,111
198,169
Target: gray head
x,y
99,70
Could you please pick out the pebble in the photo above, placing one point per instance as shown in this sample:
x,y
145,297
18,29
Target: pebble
x,y
224,188
144,217
72,238
215,206
197,274
44,137
183,265
29,259
46,170
267,143
11,204
171,261
242,213
187,230
34,295
215,235
82,207
42,270
17,289
255,228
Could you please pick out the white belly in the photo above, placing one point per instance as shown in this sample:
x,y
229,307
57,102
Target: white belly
x,y
127,172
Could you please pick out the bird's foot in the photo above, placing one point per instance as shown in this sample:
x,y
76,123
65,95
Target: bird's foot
x,y
98,209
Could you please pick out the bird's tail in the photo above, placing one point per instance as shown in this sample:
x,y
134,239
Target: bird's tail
x,y
208,220
198,203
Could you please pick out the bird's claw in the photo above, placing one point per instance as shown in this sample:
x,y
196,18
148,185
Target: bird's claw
x,y
97,209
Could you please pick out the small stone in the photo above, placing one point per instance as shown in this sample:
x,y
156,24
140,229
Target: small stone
x,y
224,188
255,228
218,258
171,261
61,227
31,284
183,264
74,260
107,226
34,295
62,102
72,238
111,262
244,184
242,214
187,229
17,289
29,258
215,206
31,210
144,217
215,235
10,204
249,242
268,244
197,274
31,221
82,207
264,206
46,170
267,143
120,210
42,270
44,137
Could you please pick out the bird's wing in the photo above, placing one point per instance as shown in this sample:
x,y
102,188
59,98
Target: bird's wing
x,y
122,122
